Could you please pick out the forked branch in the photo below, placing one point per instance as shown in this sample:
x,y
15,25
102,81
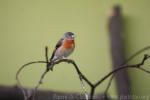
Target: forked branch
x,y
80,74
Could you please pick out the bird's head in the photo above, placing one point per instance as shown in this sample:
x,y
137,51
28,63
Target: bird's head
x,y
69,35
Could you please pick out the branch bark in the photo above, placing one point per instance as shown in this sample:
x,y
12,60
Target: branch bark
x,y
126,62
82,76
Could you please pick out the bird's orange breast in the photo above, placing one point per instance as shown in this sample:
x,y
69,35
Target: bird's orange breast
x,y
68,44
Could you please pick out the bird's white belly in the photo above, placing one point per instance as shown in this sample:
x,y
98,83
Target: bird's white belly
x,y
62,52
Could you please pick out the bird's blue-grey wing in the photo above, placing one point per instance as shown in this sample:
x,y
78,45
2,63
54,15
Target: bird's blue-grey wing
x,y
59,43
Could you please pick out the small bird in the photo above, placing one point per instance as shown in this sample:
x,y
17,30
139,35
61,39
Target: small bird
x,y
64,47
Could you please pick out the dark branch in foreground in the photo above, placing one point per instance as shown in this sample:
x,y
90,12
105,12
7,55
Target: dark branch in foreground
x,y
126,61
81,75
138,66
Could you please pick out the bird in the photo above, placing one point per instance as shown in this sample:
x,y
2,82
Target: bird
x,y
64,47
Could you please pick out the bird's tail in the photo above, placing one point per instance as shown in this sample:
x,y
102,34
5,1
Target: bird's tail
x,y
50,65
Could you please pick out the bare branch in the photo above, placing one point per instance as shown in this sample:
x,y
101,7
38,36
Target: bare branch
x,y
123,67
39,83
126,61
17,76
147,71
46,55
77,69
80,74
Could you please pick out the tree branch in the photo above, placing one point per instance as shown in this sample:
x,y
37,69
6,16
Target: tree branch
x,y
80,74
126,61
17,76
123,67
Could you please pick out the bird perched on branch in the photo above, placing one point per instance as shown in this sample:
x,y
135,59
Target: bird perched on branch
x,y
64,47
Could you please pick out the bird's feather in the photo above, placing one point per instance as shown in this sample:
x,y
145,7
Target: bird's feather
x,y
59,43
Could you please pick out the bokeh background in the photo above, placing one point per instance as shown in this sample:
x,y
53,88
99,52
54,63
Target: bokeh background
x,y
27,26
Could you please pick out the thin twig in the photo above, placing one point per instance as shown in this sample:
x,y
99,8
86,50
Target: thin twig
x,y
136,54
17,76
46,55
138,66
109,84
39,83
43,75
123,67
126,61
81,75
77,69
22,67
147,71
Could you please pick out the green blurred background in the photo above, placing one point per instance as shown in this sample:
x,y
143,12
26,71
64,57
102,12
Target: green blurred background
x,y
27,26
